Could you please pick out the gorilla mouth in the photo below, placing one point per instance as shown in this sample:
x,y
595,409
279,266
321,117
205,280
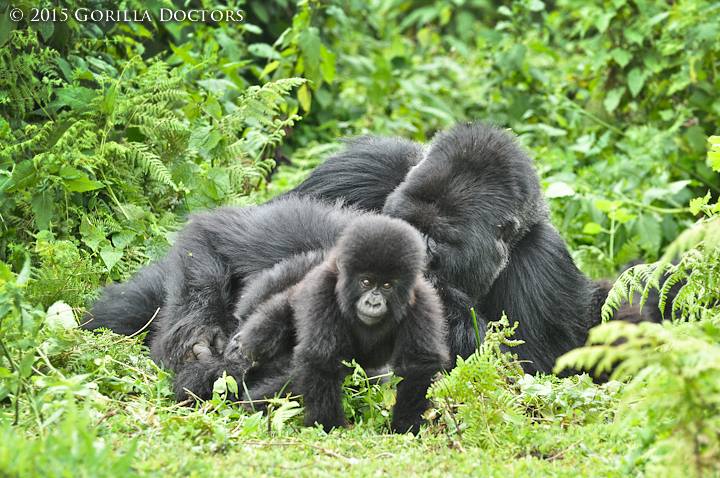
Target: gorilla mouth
x,y
369,318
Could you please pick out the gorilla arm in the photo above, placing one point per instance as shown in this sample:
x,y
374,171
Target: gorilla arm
x,y
420,352
261,286
323,342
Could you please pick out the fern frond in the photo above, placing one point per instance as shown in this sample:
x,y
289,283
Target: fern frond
x,y
151,164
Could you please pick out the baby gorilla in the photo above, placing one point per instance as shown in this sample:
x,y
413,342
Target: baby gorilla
x,y
368,301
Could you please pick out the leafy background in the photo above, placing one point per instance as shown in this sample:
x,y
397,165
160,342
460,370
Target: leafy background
x,y
110,134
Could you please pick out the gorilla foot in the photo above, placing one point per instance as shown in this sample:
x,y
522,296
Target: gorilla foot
x,y
205,345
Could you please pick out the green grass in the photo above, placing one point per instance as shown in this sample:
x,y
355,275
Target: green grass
x,y
150,437
101,407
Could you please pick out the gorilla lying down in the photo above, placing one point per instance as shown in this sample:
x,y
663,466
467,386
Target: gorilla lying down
x,y
472,193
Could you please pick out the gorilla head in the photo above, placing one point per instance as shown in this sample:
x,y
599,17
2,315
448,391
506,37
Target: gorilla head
x,y
473,195
378,259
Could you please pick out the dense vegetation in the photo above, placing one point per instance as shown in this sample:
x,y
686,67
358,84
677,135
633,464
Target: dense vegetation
x,y
110,134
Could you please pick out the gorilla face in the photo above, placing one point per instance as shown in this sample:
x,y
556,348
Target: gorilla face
x,y
427,200
378,261
372,306
473,196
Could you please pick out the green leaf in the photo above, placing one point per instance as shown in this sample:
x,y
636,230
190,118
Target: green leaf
x,y
551,130
612,100
6,26
677,186
679,81
107,105
82,185
621,215
605,205
309,43
24,274
592,228
633,36
110,256
220,385
42,206
536,6
76,97
327,64
696,204
204,139
304,97
263,50
77,181
218,86
713,155
636,80
232,385
46,29
269,68
649,232
660,17
621,57
6,275
714,158
23,176
92,235
123,238
603,21
26,364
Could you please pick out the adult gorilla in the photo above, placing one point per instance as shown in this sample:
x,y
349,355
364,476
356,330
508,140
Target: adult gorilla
x,y
476,196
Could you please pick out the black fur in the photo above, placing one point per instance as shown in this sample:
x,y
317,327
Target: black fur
x,y
475,194
476,197
128,307
278,278
198,283
364,173
375,257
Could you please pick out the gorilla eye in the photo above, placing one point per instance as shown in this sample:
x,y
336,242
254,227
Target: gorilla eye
x,y
365,282
387,285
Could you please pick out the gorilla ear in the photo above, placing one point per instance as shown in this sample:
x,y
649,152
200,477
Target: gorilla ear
x,y
333,265
412,298
508,229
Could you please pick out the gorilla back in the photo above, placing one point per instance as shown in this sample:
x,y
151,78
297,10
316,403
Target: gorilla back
x,y
364,173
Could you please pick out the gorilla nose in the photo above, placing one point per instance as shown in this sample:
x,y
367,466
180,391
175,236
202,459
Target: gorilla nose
x,y
374,300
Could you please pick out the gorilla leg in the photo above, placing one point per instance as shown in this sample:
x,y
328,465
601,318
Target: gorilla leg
x,y
198,307
268,385
128,307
